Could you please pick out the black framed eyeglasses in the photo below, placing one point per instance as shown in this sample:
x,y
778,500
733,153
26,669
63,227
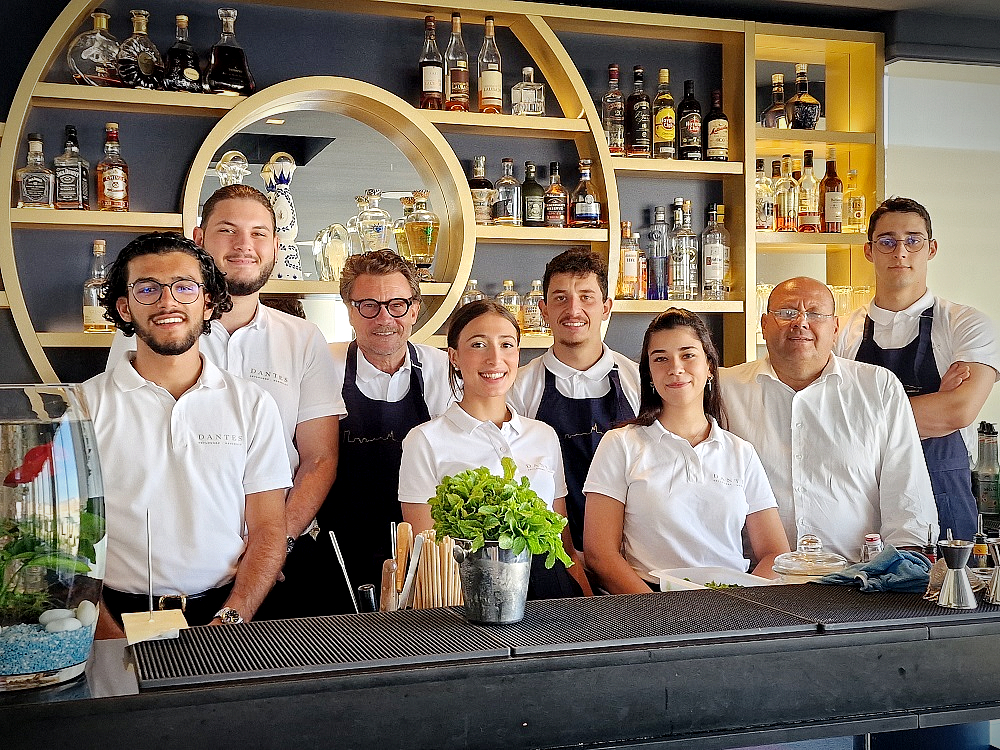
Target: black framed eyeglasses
x,y
913,243
788,314
369,308
149,292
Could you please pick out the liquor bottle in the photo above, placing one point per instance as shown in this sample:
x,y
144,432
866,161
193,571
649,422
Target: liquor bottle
x,y
93,55
689,125
533,198
431,69
183,67
803,109
490,73
93,312
796,169
714,249
556,199
985,485
628,265
664,124
472,293
786,198
72,175
527,97
980,550
831,194
139,62
584,206
683,256
692,241
716,130
809,218
330,251
456,69
774,115
507,197
534,322
638,119
727,274
228,71
658,256
422,227
374,223
775,171
764,192
613,114
35,182
872,547
482,192
112,173
354,244
399,227
513,301
854,205
641,275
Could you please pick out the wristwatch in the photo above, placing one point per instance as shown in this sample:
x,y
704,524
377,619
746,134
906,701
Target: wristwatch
x,y
289,544
229,616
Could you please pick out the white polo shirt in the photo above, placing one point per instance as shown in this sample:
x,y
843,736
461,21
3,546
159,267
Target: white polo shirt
x,y
526,395
191,463
286,356
457,441
381,386
842,455
685,506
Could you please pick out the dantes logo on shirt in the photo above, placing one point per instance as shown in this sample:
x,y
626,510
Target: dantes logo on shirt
x,y
219,438
726,480
268,375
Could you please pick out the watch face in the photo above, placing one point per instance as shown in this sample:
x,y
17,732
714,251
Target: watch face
x,y
229,616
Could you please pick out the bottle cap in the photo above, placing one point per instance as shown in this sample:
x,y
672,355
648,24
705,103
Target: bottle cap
x,y
99,247
777,78
664,75
801,68
35,137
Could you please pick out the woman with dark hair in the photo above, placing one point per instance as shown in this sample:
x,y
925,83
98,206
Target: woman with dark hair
x,y
481,429
674,489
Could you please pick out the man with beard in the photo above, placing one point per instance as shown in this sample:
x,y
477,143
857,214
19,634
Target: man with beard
x,y
286,356
185,444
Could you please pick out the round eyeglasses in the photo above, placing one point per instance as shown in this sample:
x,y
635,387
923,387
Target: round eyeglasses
x,y
149,292
913,243
788,314
370,308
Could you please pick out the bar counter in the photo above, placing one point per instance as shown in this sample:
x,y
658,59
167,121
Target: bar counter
x,y
692,669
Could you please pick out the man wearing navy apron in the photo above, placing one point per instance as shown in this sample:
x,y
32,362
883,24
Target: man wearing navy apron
x,y
579,386
389,386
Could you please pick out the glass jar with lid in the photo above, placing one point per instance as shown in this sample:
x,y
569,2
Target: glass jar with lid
x,y
808,562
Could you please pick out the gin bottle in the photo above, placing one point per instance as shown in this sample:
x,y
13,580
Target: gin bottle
x,y
764,192
93,55
507,197
528,97
35,181
112,173
714,252
482,192
93,312
774,115
422,228
456,69
431,69
584,206
374,223
658,256
613,114
472,293
533,196
513,301
72,175
803,110
139,62
534,322
228,71
183,67
490,73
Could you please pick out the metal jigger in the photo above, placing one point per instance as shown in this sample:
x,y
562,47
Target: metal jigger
x,y
956,591
993,587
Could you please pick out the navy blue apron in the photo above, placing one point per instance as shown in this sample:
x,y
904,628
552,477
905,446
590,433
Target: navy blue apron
x,y
947,457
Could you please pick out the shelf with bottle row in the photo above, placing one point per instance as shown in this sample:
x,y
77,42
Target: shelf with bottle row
x,y
675,168
109,221
654,306
511,235
775,138
77,97
791,240
528,341
515,126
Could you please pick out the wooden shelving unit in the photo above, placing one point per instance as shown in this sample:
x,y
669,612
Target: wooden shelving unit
x,y
539,235
108,221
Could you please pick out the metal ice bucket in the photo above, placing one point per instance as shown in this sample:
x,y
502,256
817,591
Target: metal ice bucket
x,y
494,582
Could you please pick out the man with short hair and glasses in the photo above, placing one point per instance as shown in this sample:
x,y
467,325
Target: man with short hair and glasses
x,y
945,354
389,385
837,437
195,447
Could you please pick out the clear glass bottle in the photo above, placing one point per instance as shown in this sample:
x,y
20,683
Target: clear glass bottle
x,y
831,194
422,228
533,198
692,241
689,135
809,217
140,64
556,199
803,110
855,215
72,173
774,115
534,322
716,130
183,71
456,69
871,547
764,191
472,293
354,245
796,169
374,223
985,484
658,256
584,205
93,312
490,73
330,251
112,173
513,301
398,227
628,265
482,192
664,122
727,278
641,278
228,71
638,118
714,252
786,196
431,69
93,56
683,256
507,197
35,182
527,97
613,113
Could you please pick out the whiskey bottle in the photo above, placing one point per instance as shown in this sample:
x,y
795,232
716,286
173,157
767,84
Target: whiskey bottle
x,y
584,206
613,114
664,126
854,205
422,227
513,301
831,194
112,174
527,97
93,312
228,71
72,175
658,256
628,265
183,67
490,73
714,253
803,109
472,293
774,115
35,181
556,199
534,322
809,217
431,69
482,192
507,197
689,125
533,197
764,191
139,62
638,119
786,198
93,55
716,131
456,68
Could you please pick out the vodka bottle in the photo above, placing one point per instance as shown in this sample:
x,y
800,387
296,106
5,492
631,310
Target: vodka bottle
x,y
658,256
683,254
714,252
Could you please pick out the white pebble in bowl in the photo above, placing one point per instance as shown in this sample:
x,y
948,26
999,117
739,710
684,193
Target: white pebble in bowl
x,y
64,624
86,612
51,615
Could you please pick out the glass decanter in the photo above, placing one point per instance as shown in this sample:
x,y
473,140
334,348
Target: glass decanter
x,y
232,168
228,71
140,64
183,71
398,230
421,235
330,250
93,55
374,223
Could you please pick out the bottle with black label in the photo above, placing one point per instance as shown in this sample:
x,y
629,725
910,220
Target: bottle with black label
x,y
72,175
507,197
556,199
482,192
987,471
533,197
689,125
638,119
716,131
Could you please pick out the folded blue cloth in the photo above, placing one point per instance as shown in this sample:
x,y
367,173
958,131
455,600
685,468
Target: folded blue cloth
x,y
891,570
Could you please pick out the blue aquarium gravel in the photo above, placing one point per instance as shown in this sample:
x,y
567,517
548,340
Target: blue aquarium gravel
x,y
26,649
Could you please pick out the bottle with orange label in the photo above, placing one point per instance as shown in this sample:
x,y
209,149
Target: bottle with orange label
x,y
112,173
